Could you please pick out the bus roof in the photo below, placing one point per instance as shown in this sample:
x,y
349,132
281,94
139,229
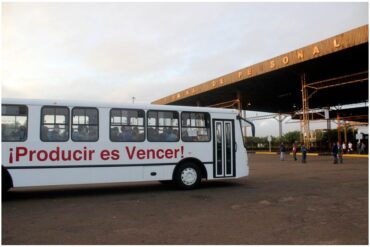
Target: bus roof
x,y
100,104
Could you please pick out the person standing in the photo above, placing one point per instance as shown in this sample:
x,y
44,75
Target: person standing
x,y
358,146
294,150
282,151
340,153
334,151
304,153
362,148
350,147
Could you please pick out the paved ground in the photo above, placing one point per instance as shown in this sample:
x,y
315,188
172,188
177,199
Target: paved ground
x,y
279,203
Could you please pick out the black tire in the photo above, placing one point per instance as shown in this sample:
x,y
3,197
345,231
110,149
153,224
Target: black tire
x,y
6,181
166,182
187,176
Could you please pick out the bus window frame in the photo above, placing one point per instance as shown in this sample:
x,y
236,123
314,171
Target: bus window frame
x,y
19,115
210,126
178,124
42,123
126,109
82,107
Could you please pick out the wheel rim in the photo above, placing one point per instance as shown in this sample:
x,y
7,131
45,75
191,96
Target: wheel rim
x,y
189,176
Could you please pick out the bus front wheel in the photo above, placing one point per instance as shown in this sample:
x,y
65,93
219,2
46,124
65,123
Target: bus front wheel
x,y
188,176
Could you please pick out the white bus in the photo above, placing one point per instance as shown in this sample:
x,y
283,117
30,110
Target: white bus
x,y
48,142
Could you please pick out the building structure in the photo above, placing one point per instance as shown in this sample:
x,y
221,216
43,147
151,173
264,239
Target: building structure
x,y
329,73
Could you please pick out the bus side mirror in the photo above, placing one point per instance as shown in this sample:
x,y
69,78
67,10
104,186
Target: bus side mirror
x,y
249,123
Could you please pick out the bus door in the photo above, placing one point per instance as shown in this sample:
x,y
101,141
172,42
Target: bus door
x,y
224,149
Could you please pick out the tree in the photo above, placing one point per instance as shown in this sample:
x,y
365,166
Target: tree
x,y
253,143
291,137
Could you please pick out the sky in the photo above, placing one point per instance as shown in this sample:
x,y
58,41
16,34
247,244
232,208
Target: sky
x,y
115,51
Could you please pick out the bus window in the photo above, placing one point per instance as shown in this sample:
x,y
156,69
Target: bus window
x,y
127,125
54,123
163,126
85,124
195,127
14,123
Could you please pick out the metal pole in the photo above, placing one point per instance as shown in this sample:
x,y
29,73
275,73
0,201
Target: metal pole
x,y
280,126
339,129
328,126
305,109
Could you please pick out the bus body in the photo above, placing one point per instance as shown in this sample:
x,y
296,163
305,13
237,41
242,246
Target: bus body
x,y
47,142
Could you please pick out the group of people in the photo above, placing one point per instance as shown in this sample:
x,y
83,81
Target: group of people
x,y
85,133
53,133
134,133
294,152
127,133
337,151
12,133
360,147
163,134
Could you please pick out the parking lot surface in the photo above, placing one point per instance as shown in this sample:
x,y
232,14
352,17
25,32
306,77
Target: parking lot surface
x,y
281,202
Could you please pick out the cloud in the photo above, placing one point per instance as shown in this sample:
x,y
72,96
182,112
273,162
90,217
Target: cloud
x,y
114,51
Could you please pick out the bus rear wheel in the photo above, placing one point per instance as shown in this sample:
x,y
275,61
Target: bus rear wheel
x,y
6,181
188,176
166,182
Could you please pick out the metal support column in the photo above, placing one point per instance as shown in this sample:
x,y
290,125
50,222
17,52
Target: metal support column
x,y
301,129
345,132
328,126
305,110
239,100
280,118
339,129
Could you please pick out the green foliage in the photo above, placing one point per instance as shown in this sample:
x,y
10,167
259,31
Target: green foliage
x,y
328,137
291,137
256,143
261,143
